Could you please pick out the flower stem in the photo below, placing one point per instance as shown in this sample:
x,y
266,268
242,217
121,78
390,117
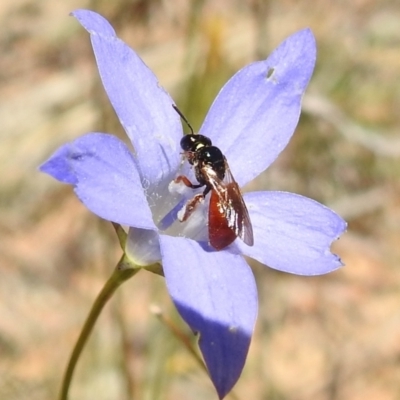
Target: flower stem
x,y
127,349
122,273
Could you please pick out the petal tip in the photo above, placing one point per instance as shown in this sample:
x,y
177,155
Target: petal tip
x,y
304,44
94,23
58,167
306,35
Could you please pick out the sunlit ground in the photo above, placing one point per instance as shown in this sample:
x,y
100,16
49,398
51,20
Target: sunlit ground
x,y
322,338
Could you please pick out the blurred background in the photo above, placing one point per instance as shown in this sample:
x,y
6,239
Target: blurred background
x,y
322,338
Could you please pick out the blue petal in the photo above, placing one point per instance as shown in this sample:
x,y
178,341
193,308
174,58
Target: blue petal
x,y
105,177
255,114
215,293
142,105
292,233
143,246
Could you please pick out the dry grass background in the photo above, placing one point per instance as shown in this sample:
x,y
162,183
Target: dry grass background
x,y
322,338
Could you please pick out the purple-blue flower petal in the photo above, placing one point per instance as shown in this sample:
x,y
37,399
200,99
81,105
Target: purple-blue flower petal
x,y
256,112
215,293
143,107
292,233
105,176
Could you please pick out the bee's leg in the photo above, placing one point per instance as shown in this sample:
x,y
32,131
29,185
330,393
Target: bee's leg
x,y
186,182
192,203
207,190
190,206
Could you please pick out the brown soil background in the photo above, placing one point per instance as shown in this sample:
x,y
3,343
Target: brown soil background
x,y
322,338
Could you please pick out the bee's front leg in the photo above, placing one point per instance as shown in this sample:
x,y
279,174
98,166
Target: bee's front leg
x,y
186,182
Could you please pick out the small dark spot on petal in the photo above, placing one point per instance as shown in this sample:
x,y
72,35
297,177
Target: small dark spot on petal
x,y
270,72
79,156
76,156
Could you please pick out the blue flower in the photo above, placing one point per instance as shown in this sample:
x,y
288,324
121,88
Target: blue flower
x,y
251,121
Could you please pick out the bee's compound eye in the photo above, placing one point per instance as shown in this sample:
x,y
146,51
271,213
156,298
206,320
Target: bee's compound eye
x,y
188,142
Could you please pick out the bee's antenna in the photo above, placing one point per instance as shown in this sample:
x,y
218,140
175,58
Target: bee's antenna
x,y
183,117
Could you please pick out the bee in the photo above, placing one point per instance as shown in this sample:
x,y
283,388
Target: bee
x,y
228,217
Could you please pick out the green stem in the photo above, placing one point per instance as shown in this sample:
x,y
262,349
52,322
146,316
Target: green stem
x,y
126,348
122,273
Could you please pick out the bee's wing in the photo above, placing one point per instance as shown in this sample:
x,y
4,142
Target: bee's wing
x,y
228,216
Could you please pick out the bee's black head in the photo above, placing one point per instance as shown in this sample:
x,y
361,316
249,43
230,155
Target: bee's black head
x,y
194,142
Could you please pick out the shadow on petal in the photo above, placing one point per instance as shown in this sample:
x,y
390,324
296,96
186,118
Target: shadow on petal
x,y
224,348
216,295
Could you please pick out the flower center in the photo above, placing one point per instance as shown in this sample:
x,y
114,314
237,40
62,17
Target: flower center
x,y
167,203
